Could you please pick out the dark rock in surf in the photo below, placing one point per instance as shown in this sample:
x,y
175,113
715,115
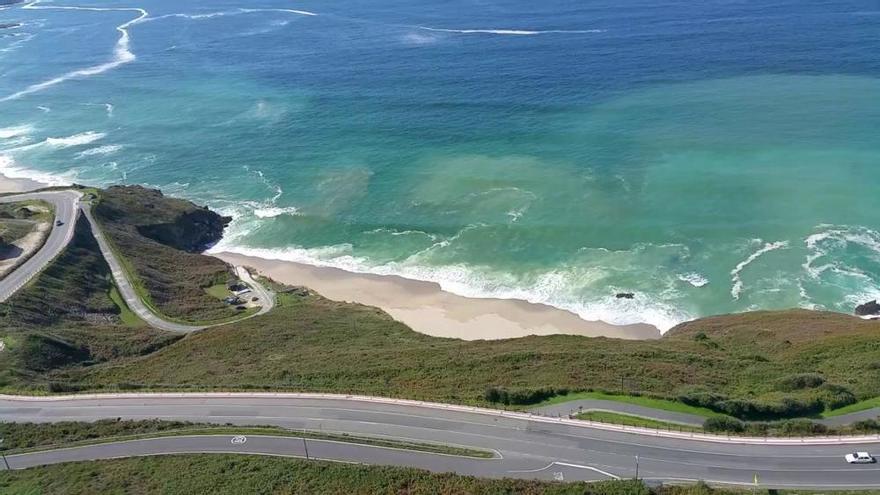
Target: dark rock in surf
x,y
625,295
870,308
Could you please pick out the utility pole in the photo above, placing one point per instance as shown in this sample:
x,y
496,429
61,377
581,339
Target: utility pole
x,y
5,462
637,466
306,448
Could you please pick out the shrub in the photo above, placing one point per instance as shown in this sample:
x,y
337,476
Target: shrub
x,y
800,427
834,396
799,381
701,397
867,426
521,397
724,424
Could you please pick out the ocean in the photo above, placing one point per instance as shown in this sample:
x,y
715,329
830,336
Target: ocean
x,y
708,157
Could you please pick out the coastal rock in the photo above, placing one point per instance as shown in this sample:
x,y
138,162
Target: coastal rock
x,y
625,295
870,308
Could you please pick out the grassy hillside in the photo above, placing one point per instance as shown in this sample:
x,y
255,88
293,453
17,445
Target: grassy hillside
x,y
311,343
159,239
66,318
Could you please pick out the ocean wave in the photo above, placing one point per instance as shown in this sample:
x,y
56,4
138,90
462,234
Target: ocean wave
x,y
100,150
80,139
395,233
11,169
16,131
511,32
275,211
694,279
735,278
121,52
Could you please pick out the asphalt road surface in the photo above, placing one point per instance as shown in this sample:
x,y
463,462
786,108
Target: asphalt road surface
x,y
527,447
65,204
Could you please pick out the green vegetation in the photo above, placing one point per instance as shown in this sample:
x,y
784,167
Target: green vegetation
x,y
857,407
66,317
157,239
244,475
26,437
126,315
219,291
639,400
240,475
628,420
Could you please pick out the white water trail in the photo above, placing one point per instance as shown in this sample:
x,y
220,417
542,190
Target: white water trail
x,y
737,287
511,32
121,53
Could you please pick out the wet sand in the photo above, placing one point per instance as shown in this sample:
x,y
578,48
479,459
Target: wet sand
x,y
8,185
428,309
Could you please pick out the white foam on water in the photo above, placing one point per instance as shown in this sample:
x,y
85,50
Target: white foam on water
x,y
80,139
11,169
554,288
16,131
275,211
286,11
694,279
44,109
511,32
737,283
121,52
100,150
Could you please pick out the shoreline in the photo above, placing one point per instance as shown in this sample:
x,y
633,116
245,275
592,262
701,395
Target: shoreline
x,y
428,309
423,306
17,185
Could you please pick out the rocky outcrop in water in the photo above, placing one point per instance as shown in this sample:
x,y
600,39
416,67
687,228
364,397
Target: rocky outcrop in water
x,y
870,308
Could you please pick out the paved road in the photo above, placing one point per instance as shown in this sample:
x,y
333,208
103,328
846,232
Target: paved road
x,y
66,211
136,304
266,297
533,447
573,407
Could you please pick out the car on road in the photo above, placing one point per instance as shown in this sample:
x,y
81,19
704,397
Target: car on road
x,y
58,223
860,458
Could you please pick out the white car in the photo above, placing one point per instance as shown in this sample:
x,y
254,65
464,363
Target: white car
x,y
859,458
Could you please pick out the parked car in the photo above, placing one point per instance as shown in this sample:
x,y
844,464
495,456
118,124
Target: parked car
x,y
860,458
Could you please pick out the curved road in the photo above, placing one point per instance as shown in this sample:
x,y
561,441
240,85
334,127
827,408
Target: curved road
x,y
528,446
584,405
65,204
137,305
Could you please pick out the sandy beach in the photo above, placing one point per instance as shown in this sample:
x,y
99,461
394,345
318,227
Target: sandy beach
x,y
8,185
429,310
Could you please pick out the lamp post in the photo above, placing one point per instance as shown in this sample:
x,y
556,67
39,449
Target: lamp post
x,y
637,466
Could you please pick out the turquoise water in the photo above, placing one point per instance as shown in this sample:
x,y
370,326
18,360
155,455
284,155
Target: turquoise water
x,y
710,159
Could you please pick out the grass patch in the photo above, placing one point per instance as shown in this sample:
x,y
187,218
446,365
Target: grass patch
x,y
126,315
857,407
653,403
220,291
627,420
